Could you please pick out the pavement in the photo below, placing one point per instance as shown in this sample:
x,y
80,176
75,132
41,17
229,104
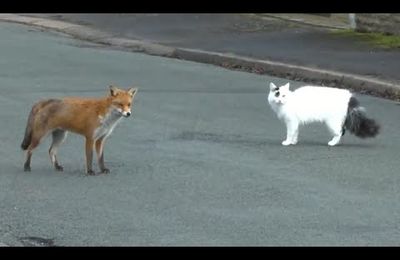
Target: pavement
x,y
297,47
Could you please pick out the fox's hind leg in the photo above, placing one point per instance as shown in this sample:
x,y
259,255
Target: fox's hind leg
x,y
35,141
59,136
27,164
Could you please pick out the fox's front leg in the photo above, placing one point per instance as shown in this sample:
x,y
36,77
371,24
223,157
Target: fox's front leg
x,y
100,155
89,155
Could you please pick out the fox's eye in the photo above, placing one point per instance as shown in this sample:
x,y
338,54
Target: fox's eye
x,y
129,104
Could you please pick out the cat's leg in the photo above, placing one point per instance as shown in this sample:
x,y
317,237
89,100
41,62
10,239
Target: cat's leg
x,y
335,127
335,140
292,131
295,134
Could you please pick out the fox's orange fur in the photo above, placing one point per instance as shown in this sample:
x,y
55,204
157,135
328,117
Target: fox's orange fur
x,y
94,118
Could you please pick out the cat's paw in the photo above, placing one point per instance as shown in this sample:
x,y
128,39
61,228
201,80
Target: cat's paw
x,y
332,143
286,143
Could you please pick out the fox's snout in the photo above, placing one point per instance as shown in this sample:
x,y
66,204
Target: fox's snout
x,y
123,111
126,113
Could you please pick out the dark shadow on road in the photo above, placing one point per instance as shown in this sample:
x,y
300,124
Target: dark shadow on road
x,y
223,138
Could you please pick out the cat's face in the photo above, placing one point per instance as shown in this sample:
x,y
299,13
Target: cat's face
x,y
278,95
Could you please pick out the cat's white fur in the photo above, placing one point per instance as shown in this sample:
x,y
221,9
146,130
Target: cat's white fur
x,y
310,104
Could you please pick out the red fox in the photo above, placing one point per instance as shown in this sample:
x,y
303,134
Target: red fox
x,y
94,118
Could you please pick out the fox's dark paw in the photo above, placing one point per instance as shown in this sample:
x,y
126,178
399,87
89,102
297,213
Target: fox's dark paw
x,y
105,170
27,168
91,172
59,168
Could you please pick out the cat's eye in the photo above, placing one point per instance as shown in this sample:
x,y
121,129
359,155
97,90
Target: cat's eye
x,y
277,94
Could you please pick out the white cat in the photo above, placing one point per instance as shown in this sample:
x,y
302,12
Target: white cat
x,y
337,108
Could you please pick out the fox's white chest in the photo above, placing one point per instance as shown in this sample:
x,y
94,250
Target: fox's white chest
x,y
106,125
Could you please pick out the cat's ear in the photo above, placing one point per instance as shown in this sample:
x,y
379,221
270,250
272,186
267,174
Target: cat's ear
x,y
286,86
272,86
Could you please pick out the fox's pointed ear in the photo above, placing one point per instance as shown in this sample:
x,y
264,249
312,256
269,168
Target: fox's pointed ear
x,y
272,86
132,91
113,90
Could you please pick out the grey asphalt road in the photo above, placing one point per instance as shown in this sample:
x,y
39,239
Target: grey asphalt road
x,y
199,163
271,39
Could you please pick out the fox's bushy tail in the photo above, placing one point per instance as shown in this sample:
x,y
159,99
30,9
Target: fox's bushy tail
x,y
357,121
28,130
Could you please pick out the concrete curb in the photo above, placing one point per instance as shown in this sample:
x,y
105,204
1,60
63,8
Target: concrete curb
x,y
311,75
304,22
293,72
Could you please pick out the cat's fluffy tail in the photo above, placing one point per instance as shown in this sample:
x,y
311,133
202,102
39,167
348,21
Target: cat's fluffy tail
x,y
357,121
